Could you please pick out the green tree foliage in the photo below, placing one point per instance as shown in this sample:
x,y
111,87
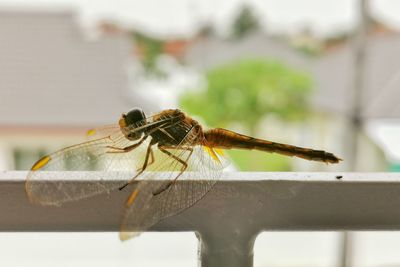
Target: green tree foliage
x,y
245,22
243,93
149,50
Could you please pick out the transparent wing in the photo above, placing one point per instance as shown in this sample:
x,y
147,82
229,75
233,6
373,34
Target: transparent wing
x,y
93,164
152,201
100,132
90,163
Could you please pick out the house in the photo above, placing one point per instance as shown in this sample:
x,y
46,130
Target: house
x,y
55,83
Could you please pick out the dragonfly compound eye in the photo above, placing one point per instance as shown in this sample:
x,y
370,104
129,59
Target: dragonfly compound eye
x,y
134,116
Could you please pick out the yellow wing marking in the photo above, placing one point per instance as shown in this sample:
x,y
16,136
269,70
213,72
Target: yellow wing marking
x,y
131,198
91,132
219,151
41,163
212,153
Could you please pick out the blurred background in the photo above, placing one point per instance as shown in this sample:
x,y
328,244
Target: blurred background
x,y
321,74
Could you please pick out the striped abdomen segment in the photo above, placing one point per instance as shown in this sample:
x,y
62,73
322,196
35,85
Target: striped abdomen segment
x,y
225,139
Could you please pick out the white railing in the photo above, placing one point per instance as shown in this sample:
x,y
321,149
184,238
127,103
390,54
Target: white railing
x,y
233,213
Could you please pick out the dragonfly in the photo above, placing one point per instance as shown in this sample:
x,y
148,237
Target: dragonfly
x,y
164,147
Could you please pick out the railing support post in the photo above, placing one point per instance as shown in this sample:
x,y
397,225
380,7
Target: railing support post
x,y
228,248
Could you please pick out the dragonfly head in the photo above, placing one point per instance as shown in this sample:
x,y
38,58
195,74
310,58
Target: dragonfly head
x,y
133,118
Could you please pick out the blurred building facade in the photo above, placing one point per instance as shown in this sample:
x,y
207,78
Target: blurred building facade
x,y
56,82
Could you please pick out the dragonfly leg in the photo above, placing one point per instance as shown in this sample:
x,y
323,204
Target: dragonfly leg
x,y
127,148
184,167
151,157
145,164
151,161
131,147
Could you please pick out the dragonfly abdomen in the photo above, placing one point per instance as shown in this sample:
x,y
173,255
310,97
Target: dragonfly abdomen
x,y
225,139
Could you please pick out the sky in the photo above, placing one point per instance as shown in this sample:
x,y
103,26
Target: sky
x,y
182,17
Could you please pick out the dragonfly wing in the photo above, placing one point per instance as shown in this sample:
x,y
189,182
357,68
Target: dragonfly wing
x,y
152,201
100,132
92,163
97,154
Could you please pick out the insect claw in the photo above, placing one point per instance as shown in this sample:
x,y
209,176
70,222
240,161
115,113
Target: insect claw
x,y
123,186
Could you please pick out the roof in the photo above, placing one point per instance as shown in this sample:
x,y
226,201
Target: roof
x,y
52,74
208,53
335,71
382,77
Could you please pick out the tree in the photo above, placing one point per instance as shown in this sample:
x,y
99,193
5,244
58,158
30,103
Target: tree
x,y
244,23
244,92
149,49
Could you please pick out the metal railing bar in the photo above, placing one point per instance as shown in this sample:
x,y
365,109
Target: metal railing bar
x,y
231,215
